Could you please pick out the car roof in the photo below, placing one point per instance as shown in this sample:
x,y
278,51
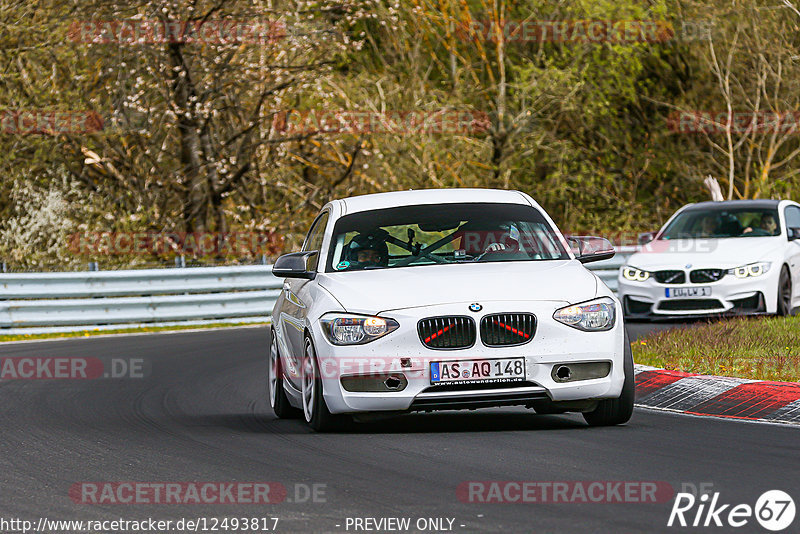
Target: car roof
x,y
430,196
723,204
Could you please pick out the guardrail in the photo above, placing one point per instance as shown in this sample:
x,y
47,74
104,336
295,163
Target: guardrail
x,y
73,301
33,303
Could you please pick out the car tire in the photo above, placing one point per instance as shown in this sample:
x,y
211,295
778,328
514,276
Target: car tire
x,y
616,411
276,395
315,410
785,293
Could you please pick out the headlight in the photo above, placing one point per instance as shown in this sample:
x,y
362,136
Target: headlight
x,y
634,275
345,329
593,316
753,269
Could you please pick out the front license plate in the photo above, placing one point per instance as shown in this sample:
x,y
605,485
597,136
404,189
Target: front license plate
x,y
478,371
684,292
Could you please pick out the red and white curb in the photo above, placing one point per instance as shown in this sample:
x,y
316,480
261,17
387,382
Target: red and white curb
x,y
717,396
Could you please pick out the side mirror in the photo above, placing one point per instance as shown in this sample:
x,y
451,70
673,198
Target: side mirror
x,y
588,249
793,233
645,237
296,265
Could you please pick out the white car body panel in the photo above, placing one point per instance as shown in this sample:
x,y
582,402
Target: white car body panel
x,y
422,286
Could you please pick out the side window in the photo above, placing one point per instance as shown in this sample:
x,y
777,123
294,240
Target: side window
x,y
792,217
315,235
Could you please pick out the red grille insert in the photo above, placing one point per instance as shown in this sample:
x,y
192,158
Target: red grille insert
x,y
504,329
447,332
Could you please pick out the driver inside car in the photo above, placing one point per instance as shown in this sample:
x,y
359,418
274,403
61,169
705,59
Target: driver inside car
x,y
503,238
367,250
507,240
767,226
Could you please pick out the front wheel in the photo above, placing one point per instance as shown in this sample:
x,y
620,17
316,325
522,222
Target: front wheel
x,y
785,293
616,411
277,395
315,410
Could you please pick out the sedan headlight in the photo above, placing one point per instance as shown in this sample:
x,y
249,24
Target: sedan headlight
x,y
753,269
593,316
634,275
346,329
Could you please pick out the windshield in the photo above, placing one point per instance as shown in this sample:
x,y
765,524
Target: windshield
x,y
718,223
442,234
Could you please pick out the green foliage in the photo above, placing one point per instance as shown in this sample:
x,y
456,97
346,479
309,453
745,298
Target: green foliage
x,y
761,349
192,138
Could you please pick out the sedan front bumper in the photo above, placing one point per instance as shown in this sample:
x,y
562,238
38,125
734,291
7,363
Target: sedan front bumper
x,y
402,355
730,295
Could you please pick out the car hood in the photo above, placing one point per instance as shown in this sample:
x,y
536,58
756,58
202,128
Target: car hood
x,y
704,253
381,290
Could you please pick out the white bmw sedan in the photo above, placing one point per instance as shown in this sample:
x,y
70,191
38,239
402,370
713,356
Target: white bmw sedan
x,y
733,257
441,300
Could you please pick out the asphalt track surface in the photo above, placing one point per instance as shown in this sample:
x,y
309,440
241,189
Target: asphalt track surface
x,y
201,415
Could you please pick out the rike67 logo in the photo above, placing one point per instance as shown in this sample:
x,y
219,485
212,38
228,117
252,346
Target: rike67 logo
x,y
774,510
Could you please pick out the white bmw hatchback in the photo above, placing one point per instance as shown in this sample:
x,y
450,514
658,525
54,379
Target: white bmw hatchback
x,y
445,299
734,257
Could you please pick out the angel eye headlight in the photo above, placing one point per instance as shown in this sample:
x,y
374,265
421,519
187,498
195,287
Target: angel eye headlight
x,y
634,275
750,270
346,329
593,316
375,326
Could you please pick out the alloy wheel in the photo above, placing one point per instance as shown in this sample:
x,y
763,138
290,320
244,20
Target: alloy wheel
x,y
309,381
785,294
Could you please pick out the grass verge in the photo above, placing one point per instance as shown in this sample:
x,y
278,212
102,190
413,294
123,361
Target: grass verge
x,y
141,330
763,348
